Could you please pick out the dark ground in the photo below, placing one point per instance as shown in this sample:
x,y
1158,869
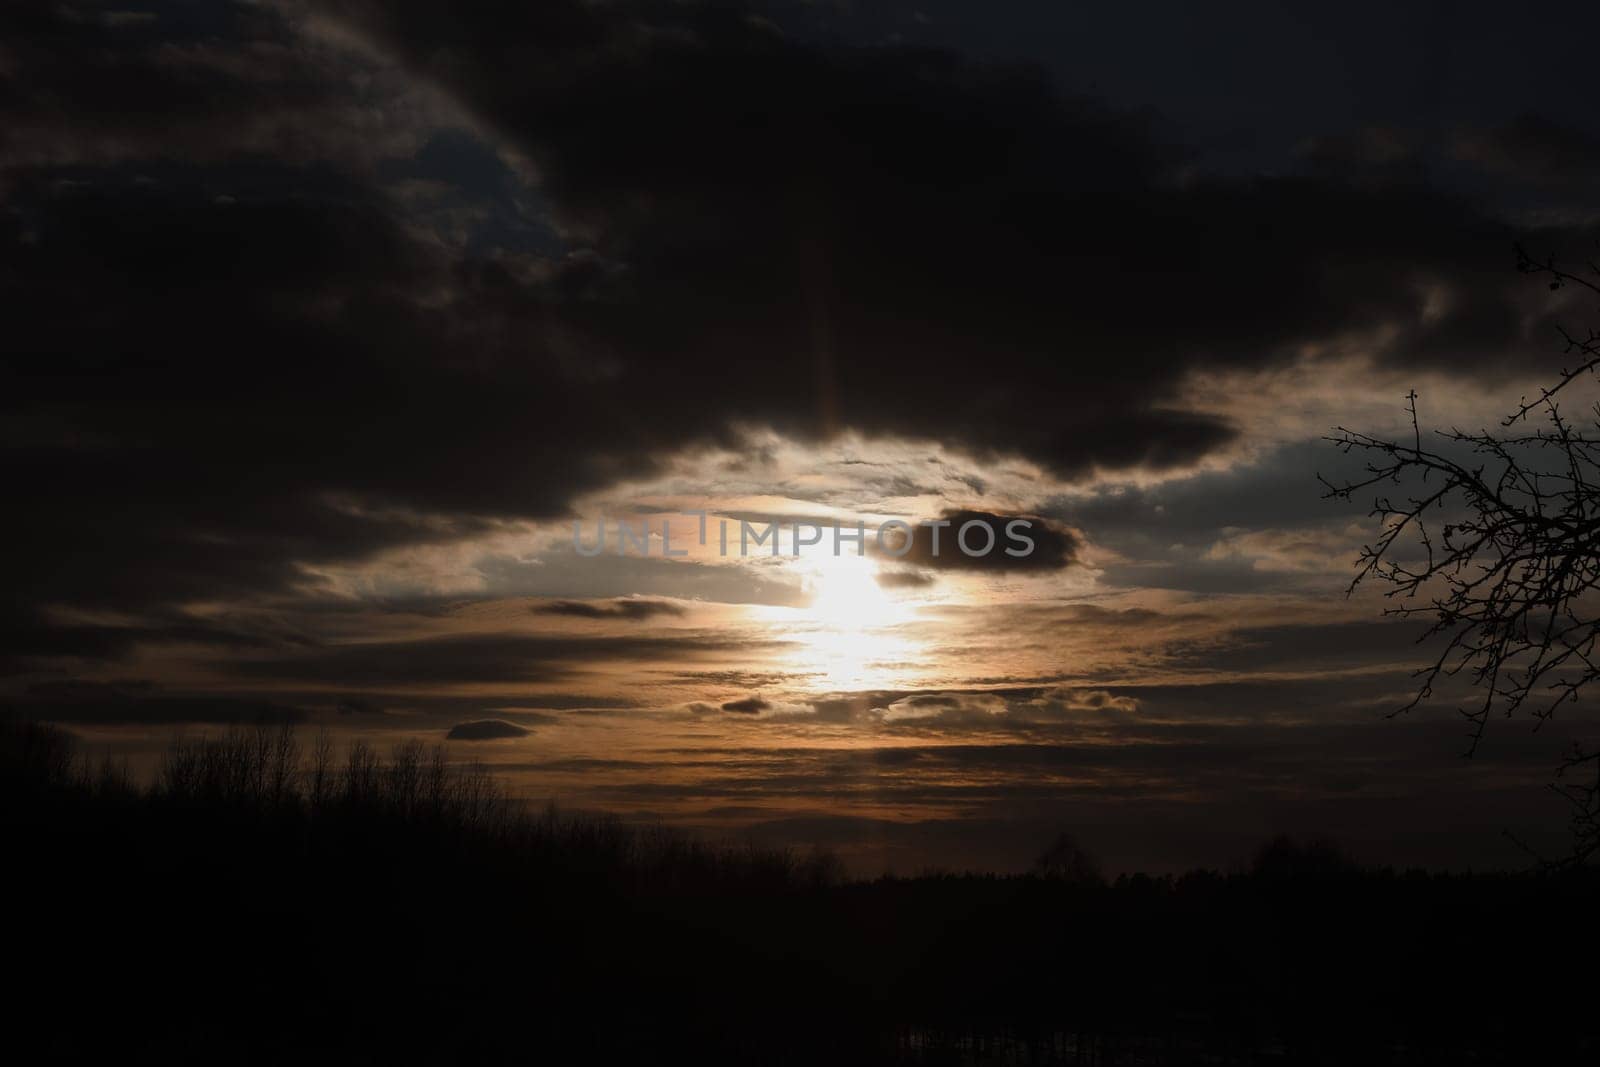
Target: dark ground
x,y
249,910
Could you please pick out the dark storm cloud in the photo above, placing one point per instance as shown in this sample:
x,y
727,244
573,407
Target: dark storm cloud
x,y
1367,153
1053,546
743,679
569,576
747,706
991,542
1078,618
1329,646
933,248
246,360
485,730
232,349
890,578
1329,67
28,638
144,703
1533,150
482,657
633,609
94,83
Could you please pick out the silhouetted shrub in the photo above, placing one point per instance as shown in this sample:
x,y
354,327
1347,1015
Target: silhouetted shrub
x,y
36,755
1065,861
1283,857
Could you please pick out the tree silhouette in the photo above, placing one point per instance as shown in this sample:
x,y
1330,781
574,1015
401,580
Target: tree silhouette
x,y
1496,540
1066,861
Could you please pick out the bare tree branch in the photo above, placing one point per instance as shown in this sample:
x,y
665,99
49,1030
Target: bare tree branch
x,y
1496,541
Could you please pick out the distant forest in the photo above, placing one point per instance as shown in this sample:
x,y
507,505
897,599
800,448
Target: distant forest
x,y
262,902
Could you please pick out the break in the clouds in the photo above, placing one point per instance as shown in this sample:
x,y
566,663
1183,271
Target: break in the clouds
x,y
321,317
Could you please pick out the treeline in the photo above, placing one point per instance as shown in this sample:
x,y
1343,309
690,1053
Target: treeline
x,y
265,901
264,775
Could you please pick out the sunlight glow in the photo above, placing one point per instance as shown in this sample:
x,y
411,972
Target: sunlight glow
x,y
845,592
856,637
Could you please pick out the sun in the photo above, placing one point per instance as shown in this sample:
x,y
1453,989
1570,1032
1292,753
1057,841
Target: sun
x,y
854,639
845,593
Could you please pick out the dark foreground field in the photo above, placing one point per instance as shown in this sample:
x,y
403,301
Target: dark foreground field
x,y
266,905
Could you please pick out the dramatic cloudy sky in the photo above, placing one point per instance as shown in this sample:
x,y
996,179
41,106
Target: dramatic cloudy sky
x,y
324,322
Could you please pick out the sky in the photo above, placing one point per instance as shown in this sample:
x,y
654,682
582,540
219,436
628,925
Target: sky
x,y
325,323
